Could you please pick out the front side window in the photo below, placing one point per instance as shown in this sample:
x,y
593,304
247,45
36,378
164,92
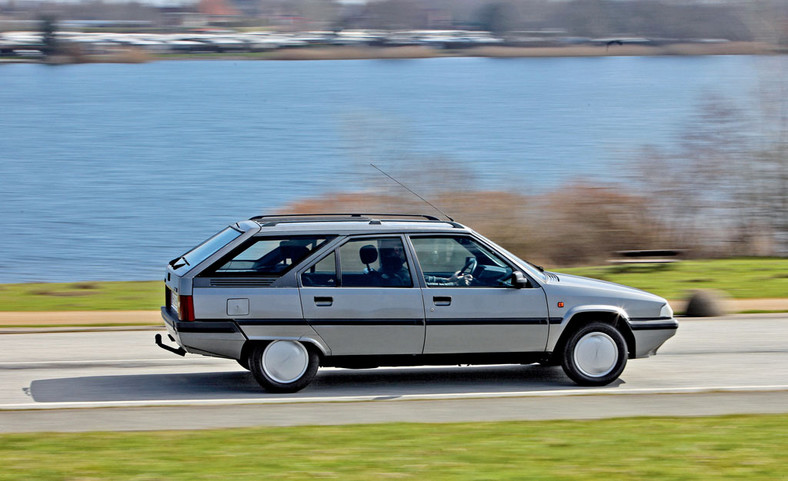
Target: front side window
x,y
266,256
460,262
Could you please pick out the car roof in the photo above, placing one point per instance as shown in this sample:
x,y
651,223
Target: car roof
x,y
354,223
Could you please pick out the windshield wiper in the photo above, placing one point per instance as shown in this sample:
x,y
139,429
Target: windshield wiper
x,y
540,268
174,262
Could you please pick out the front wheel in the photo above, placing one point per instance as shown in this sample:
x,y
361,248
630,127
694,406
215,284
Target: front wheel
x,y
595,355
283,366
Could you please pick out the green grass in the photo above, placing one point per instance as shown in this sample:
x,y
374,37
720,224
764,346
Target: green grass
x,y
741,278
82,296
727,447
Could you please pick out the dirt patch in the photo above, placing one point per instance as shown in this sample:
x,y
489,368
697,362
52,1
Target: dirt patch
x,y
77,318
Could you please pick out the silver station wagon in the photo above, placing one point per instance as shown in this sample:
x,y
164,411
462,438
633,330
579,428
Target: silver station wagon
x,y
286,294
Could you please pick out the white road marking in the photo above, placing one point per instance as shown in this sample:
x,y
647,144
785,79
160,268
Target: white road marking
x,y
86,361
404,397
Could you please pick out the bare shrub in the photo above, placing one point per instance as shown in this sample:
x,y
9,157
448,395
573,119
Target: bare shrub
x,y
585,224
721,187
576,224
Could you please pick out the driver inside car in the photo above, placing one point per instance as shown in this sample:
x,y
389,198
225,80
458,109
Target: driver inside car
x,y
461,278
456,279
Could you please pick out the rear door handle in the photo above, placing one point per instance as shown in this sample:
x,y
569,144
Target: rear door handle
x,y
324,301
441,300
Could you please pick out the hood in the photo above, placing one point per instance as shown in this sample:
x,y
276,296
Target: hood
x,y
588,283
576,290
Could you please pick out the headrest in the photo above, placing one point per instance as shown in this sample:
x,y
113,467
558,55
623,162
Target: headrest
x,y
368,254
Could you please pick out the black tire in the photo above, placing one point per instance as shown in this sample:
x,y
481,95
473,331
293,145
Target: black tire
x,y
594,355
283,366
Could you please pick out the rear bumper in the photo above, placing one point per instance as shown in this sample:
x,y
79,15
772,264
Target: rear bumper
x,y
650,334
170,322
210,338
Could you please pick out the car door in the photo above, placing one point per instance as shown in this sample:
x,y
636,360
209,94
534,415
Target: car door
x,y
362,299
485,313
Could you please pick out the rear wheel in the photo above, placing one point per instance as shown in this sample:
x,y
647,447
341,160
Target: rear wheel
x,y
283,366
595,355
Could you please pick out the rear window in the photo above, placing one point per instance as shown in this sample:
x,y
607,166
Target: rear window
x,y
204,250
266,256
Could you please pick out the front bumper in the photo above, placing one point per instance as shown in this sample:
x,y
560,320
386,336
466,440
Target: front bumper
x,y
650,334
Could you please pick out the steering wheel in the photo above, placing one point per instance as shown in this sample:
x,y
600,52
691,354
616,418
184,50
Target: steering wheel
x,y
469,267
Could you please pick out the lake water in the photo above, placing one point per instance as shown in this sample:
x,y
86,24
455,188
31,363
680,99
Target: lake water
x,y
107,171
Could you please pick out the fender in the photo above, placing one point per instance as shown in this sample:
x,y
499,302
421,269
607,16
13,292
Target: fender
x,y
315,341
594,308
576,315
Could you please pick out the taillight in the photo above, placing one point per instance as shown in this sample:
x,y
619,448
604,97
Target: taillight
x,y
185,308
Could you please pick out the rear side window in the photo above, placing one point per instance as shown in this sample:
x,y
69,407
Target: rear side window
x,y
367,262
204,250
266,256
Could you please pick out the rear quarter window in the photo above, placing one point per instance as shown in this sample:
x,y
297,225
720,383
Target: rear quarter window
x,y
265,256
203,251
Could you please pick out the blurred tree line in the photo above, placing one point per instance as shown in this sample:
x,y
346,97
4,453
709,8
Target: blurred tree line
x,y
586,18
761,20
722,186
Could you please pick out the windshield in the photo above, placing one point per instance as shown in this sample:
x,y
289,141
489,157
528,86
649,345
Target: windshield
x,y
204,250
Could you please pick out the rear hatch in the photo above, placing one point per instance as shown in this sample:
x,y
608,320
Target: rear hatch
x,y
178,285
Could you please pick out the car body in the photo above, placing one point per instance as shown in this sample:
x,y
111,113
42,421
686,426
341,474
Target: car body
x,y
283,295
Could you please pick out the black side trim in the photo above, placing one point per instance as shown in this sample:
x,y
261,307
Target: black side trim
x,y
213,327
355,362
487,322
366,322
656,326
271,322
644,319
556,320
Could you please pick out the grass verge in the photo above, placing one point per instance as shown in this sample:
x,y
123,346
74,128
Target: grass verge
x,y
740,278
82,296
722,447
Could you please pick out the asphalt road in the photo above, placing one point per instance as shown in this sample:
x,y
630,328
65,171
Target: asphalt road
x,y
119,380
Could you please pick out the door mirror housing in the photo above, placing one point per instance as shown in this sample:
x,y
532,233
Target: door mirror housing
x,y
519,280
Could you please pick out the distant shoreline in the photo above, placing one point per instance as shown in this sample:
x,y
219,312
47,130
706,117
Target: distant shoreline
x,y
134,55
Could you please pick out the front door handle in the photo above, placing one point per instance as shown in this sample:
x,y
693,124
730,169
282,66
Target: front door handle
x,y
441,300
324,301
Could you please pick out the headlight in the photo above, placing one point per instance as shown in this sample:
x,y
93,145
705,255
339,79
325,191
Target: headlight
x,y
666,311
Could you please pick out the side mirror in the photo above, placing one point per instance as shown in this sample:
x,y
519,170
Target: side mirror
x,y
519,280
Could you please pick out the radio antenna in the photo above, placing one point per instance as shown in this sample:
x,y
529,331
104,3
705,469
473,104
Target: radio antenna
x,y
409,190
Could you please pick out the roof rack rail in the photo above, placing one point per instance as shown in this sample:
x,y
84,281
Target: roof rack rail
x,y
274,219
354,215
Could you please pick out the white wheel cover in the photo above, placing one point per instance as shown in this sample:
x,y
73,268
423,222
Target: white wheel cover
x,y
285,361
596,354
